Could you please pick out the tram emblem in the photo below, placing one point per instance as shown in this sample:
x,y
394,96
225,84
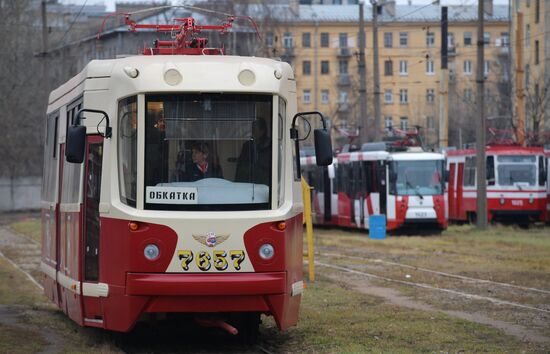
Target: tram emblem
x,y
211,239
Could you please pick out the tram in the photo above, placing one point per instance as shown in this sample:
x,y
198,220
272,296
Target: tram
x,y
406,186
170,187
517,184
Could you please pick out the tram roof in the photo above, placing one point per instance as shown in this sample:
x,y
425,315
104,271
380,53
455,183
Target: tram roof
x,y
500,150
199,71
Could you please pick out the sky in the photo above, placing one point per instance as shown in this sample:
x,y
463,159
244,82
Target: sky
x,y
111,3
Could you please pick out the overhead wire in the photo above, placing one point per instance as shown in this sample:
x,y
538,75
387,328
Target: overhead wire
x,y
73,22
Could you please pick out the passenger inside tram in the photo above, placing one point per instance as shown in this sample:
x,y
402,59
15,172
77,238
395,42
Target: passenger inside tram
x,y
256,151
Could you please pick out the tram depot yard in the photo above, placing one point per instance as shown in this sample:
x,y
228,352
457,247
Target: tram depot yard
x,y
461,291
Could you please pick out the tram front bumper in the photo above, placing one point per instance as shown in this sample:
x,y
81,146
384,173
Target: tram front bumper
x,y
229,284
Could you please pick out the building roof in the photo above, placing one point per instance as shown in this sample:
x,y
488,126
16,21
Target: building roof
x,y
321,13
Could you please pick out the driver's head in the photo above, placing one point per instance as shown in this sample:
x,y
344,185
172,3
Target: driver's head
x,y
199,152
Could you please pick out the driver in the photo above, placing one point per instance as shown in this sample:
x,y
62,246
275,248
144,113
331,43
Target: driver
x,y
200,167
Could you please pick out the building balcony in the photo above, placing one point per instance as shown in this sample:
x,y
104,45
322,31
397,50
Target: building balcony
x,y
287,54
344,80
451,50
344,52
343,107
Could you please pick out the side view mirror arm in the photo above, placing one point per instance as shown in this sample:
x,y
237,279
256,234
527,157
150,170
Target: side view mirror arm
x,y
108,129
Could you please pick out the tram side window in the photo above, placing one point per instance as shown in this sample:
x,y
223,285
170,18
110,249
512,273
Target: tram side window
x,y
542,171
50,159
470,171
280,163
127,150
490,167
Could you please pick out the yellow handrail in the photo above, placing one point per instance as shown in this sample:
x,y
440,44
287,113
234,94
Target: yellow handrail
x,y
306,194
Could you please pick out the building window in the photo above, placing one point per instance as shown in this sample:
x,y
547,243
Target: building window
x,y
527,36
343,97
324,40
451,41
388,40
324,97
430,67
403,39
430,122
403,67
467,67
324,67
505,39
388,96
467,96
343,66
403,96
306,40
343,40
306,67
486,38
307,96
527,73
486,67
467,39
430,95
287,40
388,68
269,39
536,52
430,39
537,11
388,122
404,122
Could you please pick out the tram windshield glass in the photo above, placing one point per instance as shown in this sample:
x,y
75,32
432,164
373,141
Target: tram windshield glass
x,y
517,169
208,151
416,177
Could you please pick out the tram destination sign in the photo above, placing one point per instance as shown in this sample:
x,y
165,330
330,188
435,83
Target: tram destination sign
x,y
171,195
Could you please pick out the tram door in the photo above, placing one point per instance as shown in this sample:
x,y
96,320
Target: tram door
x,y
91,225
451,190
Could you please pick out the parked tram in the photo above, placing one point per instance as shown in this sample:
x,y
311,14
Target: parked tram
x,y
170,186
407,187
517,184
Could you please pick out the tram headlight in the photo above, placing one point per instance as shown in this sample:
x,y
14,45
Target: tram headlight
x,y
151,252
502,201
531,200
267,251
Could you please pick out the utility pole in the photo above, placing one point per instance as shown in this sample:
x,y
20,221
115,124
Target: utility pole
x,y
520,82
363,132
45,47
444,83
376,70
315,65
480,126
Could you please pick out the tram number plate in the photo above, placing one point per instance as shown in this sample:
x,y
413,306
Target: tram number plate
x,y
421,214
517,202
221,260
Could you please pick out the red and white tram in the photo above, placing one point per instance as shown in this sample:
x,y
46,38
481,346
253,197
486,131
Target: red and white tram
x,y
407,187
132,230
517,187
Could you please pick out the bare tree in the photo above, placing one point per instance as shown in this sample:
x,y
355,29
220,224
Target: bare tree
x,y
537,103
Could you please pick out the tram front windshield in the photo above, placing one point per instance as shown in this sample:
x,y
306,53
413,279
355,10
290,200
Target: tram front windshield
x,y
516,169
208,151
417,177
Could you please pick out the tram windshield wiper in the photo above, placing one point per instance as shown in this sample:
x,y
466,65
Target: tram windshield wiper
x,y
409,185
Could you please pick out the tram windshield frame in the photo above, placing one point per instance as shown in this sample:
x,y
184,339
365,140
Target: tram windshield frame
x,y
416,177
208,151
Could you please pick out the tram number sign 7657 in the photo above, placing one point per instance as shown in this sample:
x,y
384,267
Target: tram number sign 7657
x,y
204,259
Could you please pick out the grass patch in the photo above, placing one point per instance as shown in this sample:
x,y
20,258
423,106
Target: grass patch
x,y
29,227
19,340
335,319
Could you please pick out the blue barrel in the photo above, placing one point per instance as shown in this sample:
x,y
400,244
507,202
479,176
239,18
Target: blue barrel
x,y
377,227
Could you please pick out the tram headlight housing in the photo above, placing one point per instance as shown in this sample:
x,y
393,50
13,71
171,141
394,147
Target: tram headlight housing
x,y
531,200
151,252
267,251
502,201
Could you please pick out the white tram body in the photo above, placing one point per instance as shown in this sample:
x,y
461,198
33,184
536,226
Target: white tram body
x,y
124,235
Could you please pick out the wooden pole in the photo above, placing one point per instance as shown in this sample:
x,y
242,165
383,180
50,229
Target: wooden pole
x,y
481,214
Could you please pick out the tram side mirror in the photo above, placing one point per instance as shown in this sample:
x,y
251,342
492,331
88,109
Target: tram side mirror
x,y
323,147
76,142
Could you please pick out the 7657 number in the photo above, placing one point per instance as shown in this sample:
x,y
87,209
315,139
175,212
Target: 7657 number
x,y
204,261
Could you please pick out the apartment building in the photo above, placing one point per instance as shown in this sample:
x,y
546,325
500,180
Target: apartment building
x,y
321,42
535,49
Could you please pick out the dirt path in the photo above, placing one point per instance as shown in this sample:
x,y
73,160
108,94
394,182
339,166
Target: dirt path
x,y
392,296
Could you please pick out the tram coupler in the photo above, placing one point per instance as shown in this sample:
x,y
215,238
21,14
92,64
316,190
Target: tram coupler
x,y
216,322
